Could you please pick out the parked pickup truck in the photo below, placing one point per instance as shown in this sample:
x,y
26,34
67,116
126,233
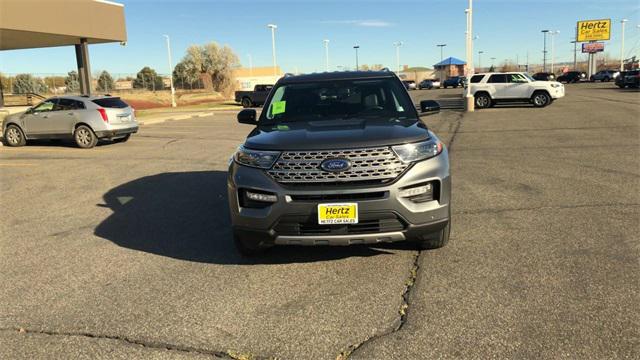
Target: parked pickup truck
x,y
253,98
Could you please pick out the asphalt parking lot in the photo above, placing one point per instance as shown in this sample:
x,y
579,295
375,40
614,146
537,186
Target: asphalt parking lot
x,y
124,251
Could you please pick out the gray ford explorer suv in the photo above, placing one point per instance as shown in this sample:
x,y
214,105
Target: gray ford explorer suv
x,y
339,158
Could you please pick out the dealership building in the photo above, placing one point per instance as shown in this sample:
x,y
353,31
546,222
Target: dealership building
x,y
247,78
76,23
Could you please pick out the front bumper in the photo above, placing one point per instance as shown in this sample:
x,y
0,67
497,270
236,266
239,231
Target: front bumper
x,y
293,202
557,92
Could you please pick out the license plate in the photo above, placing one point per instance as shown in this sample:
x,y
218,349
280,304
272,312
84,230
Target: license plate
x,y
343,213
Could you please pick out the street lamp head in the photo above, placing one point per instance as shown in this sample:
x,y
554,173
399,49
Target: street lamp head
x,y
272,26
356,46
398,43
624,21
441,45
480,52
545,31
326,41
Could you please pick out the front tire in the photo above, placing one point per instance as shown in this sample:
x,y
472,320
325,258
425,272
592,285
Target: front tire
x,y
435,240
246,102
14,136
483,101
85,137
540,99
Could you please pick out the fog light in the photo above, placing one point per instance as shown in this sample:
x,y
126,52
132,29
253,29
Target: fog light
x,y
415,191
261,197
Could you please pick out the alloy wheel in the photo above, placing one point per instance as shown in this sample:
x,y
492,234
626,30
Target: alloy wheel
x,y
84,137
482,101
13,136
540,99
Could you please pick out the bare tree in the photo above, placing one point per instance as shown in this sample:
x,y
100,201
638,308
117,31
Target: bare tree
x,y
214,61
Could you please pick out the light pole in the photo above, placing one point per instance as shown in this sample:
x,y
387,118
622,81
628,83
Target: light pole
x,y
250,65
544,51
492,59
575,54
441,46
480,59
173,90
273,28
553,55
326,54
397,45
469,53
356,47
623,21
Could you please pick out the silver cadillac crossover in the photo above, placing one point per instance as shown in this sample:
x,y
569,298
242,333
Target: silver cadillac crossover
x,y
82,118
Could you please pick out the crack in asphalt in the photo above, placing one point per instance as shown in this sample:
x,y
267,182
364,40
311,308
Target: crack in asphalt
x,y
169,143
233,355
403,312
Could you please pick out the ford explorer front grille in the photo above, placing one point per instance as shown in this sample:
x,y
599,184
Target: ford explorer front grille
x,y
367,164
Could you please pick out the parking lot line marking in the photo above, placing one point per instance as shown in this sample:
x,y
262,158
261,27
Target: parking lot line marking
x,y
17,164
70,150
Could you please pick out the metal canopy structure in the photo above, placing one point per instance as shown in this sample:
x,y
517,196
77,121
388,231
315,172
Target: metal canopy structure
x,y
27,24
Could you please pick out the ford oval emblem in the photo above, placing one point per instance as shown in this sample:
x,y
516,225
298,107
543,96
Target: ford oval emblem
x,y
335,165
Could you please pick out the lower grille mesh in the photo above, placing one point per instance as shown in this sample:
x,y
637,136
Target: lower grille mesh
x,y
367,224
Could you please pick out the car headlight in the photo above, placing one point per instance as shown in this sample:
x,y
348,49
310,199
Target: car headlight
x,y
418,151
256,158
556,85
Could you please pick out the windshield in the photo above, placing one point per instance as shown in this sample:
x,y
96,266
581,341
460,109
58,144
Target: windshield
x,y
342,99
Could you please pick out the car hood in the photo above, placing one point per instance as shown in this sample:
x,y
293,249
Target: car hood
x,y
336,134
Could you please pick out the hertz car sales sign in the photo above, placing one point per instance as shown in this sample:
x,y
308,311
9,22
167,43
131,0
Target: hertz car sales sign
x,y
594,30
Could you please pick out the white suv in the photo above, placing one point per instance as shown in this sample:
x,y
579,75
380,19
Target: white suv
x,y
490,88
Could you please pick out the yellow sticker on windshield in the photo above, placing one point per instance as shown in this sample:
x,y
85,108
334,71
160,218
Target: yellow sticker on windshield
x,y
278,107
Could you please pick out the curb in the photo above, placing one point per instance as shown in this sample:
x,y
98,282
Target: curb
x,y
173,118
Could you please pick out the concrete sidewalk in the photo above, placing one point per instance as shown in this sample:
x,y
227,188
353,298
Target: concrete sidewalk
x,y
183,115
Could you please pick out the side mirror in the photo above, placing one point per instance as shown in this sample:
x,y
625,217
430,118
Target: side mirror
x,y
429,106
29,110
247,116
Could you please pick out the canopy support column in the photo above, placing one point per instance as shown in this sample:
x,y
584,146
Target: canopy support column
x,y
84,68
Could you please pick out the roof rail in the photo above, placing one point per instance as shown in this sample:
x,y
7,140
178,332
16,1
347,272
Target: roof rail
x,y
386,69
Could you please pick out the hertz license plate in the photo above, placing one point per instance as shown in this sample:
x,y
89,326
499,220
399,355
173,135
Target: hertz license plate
x,y
344,213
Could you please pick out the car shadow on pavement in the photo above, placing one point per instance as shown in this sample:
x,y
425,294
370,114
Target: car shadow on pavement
x,y
59,143
184,215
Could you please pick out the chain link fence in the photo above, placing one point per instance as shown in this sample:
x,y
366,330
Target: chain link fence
x,y
140,90
65,83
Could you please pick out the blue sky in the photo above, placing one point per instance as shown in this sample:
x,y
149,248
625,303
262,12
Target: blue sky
x,y
506,28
